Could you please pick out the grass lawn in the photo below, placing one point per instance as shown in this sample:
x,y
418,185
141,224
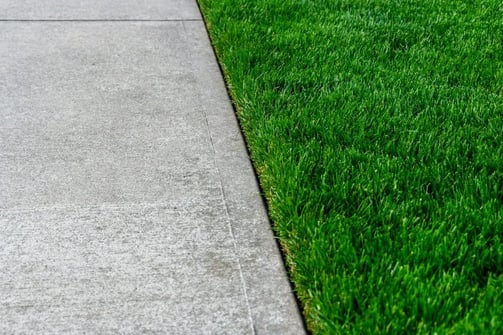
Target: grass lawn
x,y
376,128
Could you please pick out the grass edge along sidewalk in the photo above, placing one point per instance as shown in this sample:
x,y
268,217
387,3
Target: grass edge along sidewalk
x,y
376,130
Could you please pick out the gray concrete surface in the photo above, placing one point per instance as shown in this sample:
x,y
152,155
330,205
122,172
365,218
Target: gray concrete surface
x,y
127,200
99,10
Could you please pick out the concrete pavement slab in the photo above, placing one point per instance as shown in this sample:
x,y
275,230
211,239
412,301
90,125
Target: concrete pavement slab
x,y
96,113
119,269
127,200
99,10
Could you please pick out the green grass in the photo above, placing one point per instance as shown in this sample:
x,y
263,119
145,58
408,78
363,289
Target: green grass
x,y
376,127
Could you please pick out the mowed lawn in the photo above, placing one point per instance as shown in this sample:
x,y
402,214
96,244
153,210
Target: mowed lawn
x,y
376,128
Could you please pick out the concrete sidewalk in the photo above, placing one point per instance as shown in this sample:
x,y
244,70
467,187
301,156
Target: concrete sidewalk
x,y
127,200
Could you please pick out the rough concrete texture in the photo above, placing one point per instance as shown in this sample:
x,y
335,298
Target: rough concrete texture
x,y
99,10
127,200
